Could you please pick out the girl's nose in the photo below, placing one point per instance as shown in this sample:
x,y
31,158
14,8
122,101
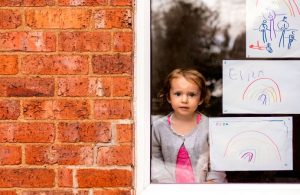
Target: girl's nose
x,y
184,98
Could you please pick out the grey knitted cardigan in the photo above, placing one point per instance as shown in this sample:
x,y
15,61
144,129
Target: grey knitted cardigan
x,y
165,147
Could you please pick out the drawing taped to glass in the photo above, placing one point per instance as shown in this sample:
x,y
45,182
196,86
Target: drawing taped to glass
x,y
261,86
251,143
272,28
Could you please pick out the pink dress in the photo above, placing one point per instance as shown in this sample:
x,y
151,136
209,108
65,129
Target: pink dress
x,y
184,170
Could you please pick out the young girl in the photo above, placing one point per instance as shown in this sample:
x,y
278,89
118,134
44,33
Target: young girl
x,y
180,150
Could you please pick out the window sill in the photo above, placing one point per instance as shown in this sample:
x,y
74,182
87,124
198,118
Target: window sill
x,y
232,189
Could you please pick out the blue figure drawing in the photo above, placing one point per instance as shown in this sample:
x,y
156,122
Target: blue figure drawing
x,y
263,28
270,16
283,25
263,99
269,48
291,39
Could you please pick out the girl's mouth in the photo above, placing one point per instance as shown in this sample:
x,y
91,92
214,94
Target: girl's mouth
x,y
184,107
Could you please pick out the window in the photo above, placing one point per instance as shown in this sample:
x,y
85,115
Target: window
x,y
142,119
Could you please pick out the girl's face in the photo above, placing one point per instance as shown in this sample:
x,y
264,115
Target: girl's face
x,y
184,97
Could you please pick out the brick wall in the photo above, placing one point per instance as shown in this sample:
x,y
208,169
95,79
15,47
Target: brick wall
x,y
66,89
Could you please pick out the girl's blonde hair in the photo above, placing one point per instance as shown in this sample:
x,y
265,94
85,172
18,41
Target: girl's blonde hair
x,y
190,75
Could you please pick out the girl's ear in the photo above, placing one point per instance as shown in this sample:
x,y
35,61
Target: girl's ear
x,y
168,98
200,102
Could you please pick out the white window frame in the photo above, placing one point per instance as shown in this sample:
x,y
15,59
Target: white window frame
x,y
142,129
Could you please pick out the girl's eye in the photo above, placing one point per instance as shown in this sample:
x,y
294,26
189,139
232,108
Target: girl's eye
x,y
177,93
192,94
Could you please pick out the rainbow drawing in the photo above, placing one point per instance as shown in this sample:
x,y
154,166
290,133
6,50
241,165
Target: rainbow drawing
x,y
262,90
251,143
251,146
291,5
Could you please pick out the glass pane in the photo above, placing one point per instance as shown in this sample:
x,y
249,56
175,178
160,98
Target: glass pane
x,y
200,34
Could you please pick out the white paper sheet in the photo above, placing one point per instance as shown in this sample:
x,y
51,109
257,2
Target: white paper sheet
x,y
251,143
273,28
261,86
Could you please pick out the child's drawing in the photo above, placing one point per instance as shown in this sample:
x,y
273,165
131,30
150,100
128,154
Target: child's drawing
x,y
251,143
261,86
263,90
273,28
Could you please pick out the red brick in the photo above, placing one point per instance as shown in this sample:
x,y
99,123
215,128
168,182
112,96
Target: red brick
x,y
112,109
27,41
27,132
113,18
83,86
104,178
8,192
121,2
116,155
54,64
55,192
8,64
56,109
112,64
38,2
124,133
82,2
122,41
65,177
9,109
59,154
57,18
84,41
10,155
100,86
26,177
71,109
84,132
10,3
73,86
38,109
10,19
27,2
122,86
26,87
112,192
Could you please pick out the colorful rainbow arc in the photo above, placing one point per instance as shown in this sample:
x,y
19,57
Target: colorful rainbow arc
x,y
289,6
270,141
271,89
